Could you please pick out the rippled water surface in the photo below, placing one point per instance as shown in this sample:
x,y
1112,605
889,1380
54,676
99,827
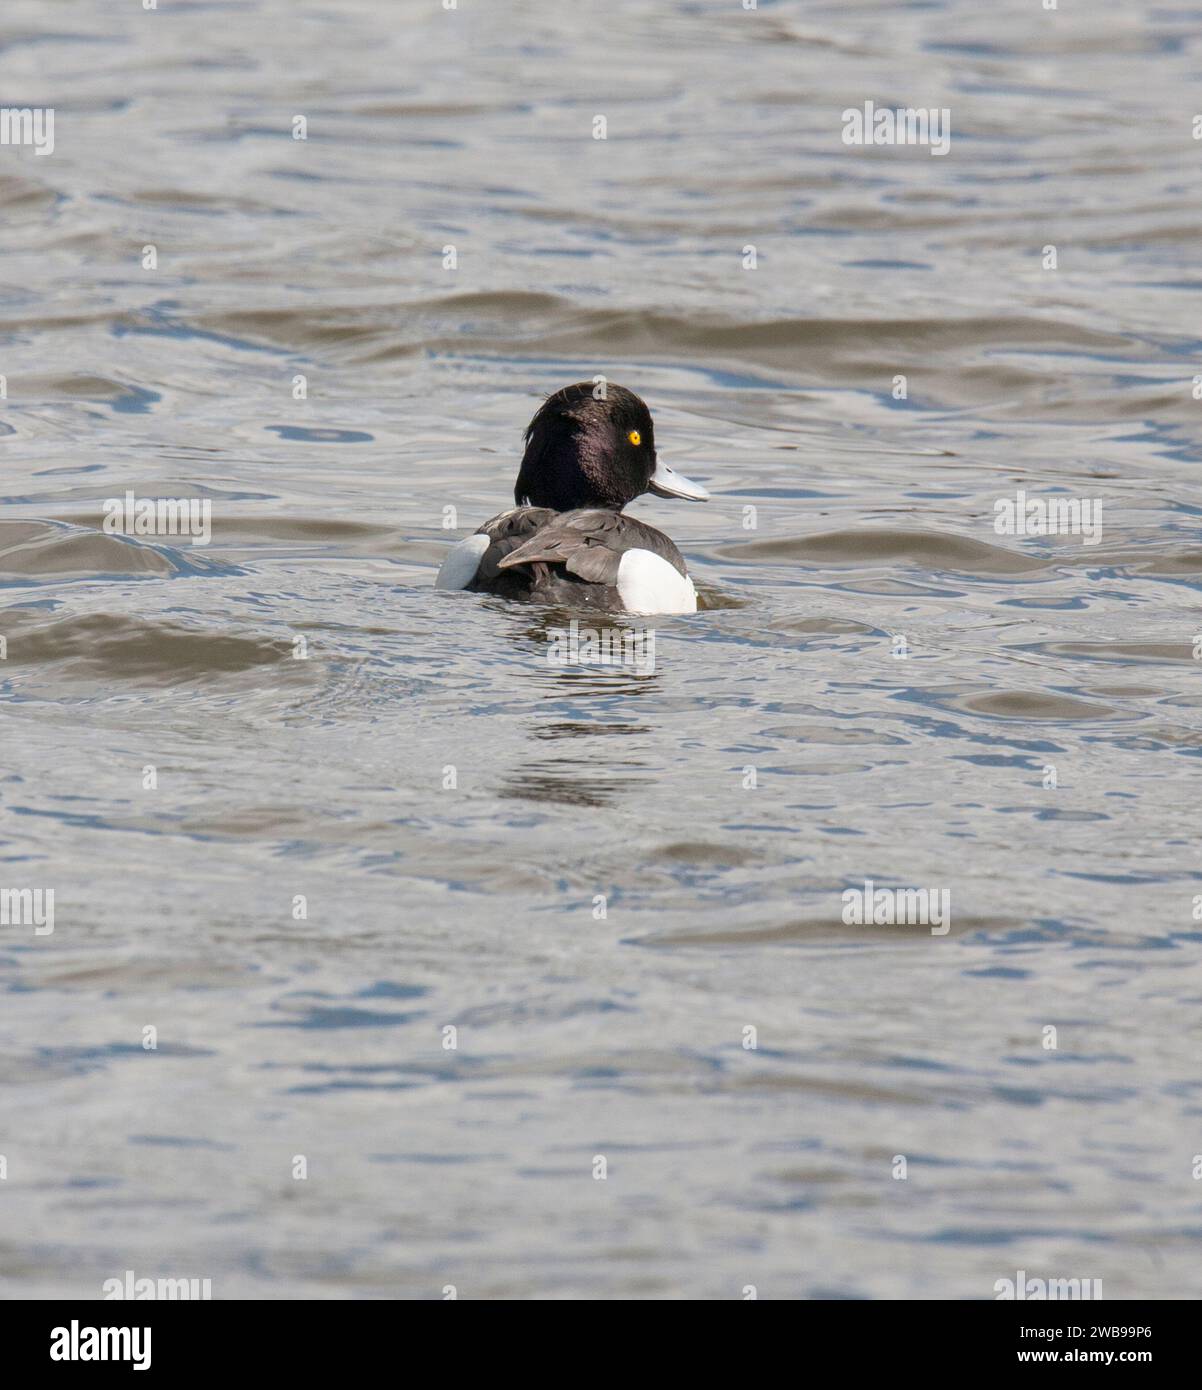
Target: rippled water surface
x,y
879,685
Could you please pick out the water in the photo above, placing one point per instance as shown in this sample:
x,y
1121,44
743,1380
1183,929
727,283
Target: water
x,y
475,908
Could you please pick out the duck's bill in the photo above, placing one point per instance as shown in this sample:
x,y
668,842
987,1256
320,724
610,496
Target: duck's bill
x,y
665,482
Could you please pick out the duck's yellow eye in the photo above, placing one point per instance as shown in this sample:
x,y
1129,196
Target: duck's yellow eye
x,y
635,437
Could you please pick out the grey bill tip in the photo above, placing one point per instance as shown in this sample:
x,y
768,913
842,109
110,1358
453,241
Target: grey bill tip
x,y
665,482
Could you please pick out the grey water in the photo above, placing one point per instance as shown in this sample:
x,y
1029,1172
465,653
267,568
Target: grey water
x,y
388,955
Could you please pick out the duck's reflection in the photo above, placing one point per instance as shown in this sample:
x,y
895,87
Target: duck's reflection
x,y
591,654
598,661
576,728
568,782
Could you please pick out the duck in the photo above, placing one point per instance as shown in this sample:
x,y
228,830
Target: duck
x,y
590,451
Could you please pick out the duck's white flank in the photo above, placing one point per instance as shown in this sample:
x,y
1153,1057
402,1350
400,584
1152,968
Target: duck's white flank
x,y
647,583
459,568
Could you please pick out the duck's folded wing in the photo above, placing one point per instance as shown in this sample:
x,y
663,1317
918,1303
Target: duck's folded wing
x,y
506,533
476,558
590,545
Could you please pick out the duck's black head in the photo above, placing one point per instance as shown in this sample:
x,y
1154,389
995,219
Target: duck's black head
x,y
594,446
